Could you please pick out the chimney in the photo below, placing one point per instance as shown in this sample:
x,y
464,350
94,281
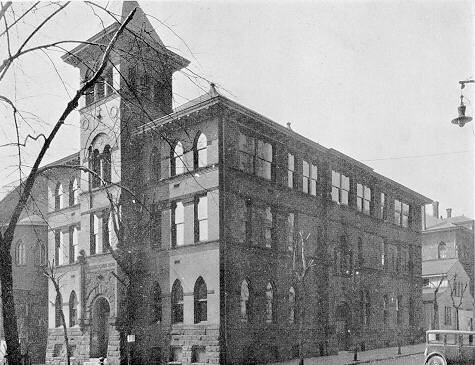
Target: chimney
x,y
449,212
435,209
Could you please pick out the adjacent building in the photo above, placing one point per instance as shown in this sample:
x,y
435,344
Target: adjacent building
x,y
450,237
448,303
208,203
29,255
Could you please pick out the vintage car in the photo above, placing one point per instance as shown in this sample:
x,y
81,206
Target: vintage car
x,y
445,347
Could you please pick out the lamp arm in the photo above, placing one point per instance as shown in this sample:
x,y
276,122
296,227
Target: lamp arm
x,y
462,83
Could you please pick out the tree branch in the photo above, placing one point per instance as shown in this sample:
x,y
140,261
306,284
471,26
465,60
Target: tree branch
x,y
73,103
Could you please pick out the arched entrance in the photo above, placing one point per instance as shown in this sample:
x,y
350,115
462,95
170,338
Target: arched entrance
x,y
99,328
343,325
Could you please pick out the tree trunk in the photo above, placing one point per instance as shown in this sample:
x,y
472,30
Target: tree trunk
x,y
436,315
8,307
457,319
301,322
66,339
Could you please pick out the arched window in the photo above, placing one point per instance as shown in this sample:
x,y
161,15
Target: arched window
x,y
268,227
244,301
106,164
200,295
200,152
292,305
269,303
365,307
96,168
442,251
155,164
73,309
177,302
177,165
57,312
156,304
58,197
20,253
73,192
346,257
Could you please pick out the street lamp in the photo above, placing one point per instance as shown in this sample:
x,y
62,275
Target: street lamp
x,y
462,119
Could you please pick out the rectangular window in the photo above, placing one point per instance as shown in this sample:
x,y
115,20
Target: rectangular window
x,y
155,227
57,247
246,153
340,188
382,206
313,179
93,223
108,80
89,93
386,309
305,176
309,178
290,231
264,160
448,316
290,170
269,227
399,312
100,89
106,231
176,354
178,223
201,219
401,213
383,254
255,156
363,198
248,223
73,244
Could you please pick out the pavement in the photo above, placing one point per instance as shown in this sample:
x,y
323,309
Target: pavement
x,y
364,357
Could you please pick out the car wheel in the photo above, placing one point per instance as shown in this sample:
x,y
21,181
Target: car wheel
x,y
436,360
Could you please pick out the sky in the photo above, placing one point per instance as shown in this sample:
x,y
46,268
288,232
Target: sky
x,y
377,81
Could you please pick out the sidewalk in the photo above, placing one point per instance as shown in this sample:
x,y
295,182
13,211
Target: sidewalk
x,y
346,357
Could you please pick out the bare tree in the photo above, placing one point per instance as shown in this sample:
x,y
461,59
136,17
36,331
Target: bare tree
x,y
435,318
300,270
454,293
6,237
49,270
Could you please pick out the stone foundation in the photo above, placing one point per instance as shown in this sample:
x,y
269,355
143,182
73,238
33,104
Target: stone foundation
x,y
79,342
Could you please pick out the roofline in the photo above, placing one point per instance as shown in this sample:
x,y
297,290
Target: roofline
x,y
71,56
62,160
269,122
109,29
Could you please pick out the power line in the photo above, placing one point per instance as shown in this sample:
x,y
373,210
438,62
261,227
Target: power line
x,y
416,156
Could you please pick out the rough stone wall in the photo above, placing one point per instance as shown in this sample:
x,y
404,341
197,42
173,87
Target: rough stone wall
x,y
79,341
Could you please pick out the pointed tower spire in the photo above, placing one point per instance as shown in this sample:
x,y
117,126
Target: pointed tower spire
x,y
140,23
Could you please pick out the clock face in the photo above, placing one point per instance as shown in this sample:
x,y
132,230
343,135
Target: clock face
x,y
85,124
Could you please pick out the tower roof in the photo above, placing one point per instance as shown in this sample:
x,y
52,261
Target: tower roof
x,y
138,25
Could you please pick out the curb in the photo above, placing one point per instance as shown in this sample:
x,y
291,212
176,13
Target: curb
x,y
384,358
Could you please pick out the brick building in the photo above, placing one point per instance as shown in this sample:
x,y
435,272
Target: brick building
x,y
213,197
28,252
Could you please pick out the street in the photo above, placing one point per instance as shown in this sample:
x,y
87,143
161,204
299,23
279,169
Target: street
x,y
416,359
